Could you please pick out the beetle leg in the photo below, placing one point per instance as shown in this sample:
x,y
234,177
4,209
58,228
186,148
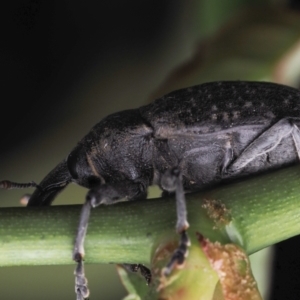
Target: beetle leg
x,y
104,194
268,141
145,272
172,181
179,255
81,288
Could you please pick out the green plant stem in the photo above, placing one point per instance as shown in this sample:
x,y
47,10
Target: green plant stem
x,y
256,213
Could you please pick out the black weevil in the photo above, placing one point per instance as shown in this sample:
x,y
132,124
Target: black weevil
x,y
187,140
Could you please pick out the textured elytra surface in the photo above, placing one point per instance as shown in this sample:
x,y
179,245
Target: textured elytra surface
x,y
202,122
219,105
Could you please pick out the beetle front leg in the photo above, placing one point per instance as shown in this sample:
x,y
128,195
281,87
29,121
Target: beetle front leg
x,y
104,194
172,182
81,289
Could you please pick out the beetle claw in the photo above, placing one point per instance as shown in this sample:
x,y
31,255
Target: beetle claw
x,y
81,289
172,180
179,255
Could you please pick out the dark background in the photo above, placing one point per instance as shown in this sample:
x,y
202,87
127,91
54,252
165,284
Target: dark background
x,y
48,47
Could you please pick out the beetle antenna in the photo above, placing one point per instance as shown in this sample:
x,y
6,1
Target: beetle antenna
x,y
9,185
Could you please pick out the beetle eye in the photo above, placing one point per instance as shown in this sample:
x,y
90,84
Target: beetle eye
x,y
72,164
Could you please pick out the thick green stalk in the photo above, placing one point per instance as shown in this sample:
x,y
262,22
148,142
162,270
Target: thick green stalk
x,y
254,213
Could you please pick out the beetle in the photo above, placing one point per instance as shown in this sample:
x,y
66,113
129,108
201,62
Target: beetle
x,y
185,141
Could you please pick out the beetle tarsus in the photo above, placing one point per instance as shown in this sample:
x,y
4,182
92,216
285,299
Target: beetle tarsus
x,y
179,255
172,181
144,271
81,289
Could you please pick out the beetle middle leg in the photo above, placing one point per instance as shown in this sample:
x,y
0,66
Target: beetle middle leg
x,y
172,182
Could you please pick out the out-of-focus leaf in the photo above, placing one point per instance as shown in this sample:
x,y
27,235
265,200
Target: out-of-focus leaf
x,y
261,43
